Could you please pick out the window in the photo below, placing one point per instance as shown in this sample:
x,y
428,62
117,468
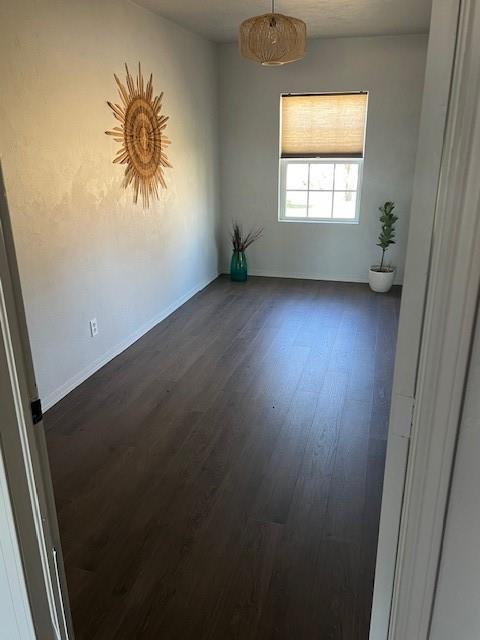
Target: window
x,y
322,146
320,189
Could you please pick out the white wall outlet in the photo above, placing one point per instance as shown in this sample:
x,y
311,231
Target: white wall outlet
x,y
93,327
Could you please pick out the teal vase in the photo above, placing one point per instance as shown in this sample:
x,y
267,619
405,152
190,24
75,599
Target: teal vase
x,y
238,267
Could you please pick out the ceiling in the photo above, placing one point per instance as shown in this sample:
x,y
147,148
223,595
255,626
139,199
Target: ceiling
x,y
218,20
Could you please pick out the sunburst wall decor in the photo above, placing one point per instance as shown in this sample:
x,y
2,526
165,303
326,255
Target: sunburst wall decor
x,y
142,136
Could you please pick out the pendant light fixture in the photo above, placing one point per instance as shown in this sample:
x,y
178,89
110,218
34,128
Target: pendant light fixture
x,y
273,39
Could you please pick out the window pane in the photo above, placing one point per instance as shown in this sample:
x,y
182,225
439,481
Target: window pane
x,y
320,204
296,204
297,176
346,176
321,176
344,204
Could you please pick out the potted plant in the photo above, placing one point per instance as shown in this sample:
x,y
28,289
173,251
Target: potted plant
x,y
380,276
240,243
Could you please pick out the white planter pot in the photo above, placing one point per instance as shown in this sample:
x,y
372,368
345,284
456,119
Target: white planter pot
x,y
381,281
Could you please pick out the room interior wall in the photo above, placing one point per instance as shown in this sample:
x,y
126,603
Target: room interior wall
x,y
391,69
84,249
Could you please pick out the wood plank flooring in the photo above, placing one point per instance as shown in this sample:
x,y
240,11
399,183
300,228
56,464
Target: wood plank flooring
x,y
222,478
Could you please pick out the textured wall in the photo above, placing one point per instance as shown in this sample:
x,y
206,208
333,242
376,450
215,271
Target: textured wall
x,y
391,68
84,249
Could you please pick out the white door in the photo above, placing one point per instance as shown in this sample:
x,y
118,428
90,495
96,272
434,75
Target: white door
x,y
447,328
28,516
456,612
438,74
15,616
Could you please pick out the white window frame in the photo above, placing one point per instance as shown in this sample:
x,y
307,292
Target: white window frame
x,y
282,188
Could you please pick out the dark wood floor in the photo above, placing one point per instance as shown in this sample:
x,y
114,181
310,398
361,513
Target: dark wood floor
x,y
221,479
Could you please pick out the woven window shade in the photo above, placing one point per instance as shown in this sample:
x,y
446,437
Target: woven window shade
x,y
328,125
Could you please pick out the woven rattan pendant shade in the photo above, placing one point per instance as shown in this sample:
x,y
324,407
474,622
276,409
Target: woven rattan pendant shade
x,y
273,39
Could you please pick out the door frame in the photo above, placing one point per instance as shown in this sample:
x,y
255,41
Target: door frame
x,y
433,121
15,614
25,456
447,342
446,332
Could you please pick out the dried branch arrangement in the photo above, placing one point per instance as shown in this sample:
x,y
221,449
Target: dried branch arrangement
x,y
142,136
241,242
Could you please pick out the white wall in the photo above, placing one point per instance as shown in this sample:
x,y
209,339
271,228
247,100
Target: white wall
x,y
457,610
84,249
391,68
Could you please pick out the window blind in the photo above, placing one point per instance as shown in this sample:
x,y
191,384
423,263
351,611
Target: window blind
x,y
323,125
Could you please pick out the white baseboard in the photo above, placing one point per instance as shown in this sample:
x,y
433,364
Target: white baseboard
x,y
302,276
266,273
52,398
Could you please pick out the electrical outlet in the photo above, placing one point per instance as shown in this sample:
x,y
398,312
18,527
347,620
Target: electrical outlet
x,y
93,327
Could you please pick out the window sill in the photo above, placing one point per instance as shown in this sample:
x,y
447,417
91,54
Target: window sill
x,y
317,221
